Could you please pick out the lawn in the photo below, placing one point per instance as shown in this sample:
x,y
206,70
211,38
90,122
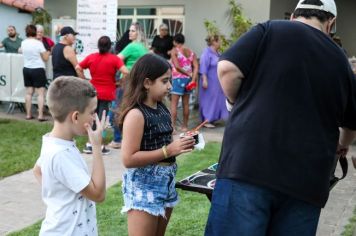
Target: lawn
x,y
350,228
189,217
21,143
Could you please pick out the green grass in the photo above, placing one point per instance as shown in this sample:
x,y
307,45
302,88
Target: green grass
x,y
20,144
350,228
188,218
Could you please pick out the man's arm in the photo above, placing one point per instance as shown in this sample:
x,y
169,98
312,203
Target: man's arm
x,y
347,136
230,77
70,55
1,45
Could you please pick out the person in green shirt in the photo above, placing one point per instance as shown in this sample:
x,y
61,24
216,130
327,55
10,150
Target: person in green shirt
x,y
136,49
13,42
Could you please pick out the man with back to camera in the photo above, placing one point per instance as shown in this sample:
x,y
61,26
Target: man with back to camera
x,y
64,59
13,42
291,89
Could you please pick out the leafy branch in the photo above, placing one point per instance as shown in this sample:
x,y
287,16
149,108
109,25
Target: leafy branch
x,y
239,22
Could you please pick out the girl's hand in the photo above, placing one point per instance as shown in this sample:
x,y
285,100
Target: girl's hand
x,y
205,83
95,136
181,145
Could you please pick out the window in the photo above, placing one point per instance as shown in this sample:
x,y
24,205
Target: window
x,y
150,19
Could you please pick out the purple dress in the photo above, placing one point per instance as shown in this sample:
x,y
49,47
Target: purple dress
x,y
211,100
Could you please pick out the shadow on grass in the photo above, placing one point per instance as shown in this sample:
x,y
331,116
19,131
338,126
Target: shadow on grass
x,y
188,218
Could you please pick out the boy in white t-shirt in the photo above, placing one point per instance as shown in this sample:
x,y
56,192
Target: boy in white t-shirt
x,y
68,190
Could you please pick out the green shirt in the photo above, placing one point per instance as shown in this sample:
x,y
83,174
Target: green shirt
x,y
132,53
12,46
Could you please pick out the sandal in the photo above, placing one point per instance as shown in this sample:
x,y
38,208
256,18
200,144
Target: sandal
x,y
209,126
115,145
42,119
29,118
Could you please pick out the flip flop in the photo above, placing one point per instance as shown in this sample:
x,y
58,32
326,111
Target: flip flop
x,y
29,118
209,126
42,119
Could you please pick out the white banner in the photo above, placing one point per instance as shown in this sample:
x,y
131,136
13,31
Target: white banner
x,y
96,18
5,77
18,90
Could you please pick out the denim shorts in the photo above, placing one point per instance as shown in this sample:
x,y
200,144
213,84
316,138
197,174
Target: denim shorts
x,y
150,189
178,86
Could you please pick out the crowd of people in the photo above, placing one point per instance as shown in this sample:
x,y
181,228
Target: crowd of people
x,y
288,118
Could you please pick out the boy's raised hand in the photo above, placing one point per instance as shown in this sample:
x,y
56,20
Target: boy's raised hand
x,y
95,136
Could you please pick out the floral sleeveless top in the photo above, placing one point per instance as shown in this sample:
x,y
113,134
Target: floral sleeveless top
x,y
184,62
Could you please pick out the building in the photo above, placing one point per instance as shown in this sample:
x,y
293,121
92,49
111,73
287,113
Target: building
x,y
188,16
185,16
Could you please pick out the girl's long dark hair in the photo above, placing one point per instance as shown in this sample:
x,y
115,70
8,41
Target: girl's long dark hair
x,y
148,66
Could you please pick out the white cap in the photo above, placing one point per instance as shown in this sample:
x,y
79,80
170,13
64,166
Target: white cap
x,y
327,5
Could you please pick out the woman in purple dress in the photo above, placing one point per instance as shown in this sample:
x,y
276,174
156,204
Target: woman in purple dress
x,y
211,97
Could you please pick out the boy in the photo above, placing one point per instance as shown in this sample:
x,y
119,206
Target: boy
x,y
67,188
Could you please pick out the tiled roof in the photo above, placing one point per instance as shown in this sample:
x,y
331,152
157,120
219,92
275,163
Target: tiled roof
x,y
27,5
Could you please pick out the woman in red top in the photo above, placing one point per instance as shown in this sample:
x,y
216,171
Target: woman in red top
x,y
103,66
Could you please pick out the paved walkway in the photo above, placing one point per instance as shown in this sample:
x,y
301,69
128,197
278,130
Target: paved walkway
x,y
21,204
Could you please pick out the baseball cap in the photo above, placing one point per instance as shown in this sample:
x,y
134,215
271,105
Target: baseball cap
x,y
327,5
68,30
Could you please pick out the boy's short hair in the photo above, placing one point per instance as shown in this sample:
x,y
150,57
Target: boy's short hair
x,y
68,93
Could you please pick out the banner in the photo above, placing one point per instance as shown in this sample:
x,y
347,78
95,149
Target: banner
x,y
95,19
5,77
18,89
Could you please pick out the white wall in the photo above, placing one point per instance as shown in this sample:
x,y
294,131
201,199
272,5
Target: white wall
x,y
11,16
58,8
196,11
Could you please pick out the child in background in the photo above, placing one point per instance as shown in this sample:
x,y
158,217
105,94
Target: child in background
x,y
147,148
68,190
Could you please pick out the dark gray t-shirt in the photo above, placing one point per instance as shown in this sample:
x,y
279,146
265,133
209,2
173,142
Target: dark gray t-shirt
x,y
297,91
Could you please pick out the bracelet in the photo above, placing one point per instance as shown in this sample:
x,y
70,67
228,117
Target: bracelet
x,y
165,153
231,103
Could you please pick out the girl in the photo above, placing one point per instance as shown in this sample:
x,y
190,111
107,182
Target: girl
x,y
185,70
147,148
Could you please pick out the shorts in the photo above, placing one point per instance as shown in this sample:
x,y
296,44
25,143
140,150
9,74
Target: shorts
x,y
178,86
35,77
150,189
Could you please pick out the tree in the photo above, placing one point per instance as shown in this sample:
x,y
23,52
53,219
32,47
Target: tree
x,y
240,25
42,17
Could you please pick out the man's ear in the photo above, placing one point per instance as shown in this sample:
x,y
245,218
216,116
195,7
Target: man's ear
x,y
330,25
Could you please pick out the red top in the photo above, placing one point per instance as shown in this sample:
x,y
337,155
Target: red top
x,y
102,69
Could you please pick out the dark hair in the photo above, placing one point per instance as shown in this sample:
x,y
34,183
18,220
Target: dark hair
x,y
322,16
123,42
11,26
148,66
179,38
104,44
31,31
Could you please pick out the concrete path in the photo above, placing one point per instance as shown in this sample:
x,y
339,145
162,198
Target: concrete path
x,y
21,204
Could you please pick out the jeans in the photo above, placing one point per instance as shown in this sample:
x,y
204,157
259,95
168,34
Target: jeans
x,y
114,106
239,208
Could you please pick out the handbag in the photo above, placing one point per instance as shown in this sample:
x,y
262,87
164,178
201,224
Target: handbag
x,y
344,166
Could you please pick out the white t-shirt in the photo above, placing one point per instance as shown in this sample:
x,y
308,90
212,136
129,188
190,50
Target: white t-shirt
x,y
64,175
31,50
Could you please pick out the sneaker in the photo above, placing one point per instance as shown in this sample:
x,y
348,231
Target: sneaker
x,y
105,151
88,149
115,145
